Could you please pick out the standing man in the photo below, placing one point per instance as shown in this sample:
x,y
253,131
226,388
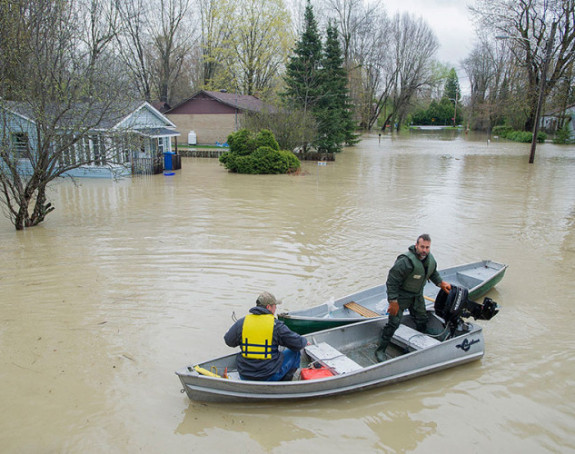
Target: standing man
x,y
405,283
259,335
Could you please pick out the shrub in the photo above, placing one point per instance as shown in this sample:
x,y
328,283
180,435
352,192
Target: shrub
x,y
241,142
563,135
265,138
257,155
520,136
501,131
507,132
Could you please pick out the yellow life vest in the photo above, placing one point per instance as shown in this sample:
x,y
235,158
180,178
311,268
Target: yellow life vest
x,y
257,336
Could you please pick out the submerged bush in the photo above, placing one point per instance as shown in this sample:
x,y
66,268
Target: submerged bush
x,y
259,154
507,132
563,135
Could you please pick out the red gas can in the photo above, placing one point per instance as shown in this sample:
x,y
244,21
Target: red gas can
x,y
314,374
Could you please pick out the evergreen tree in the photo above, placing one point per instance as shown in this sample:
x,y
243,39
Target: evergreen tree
x,y
333,112
302,72
452,90
452,94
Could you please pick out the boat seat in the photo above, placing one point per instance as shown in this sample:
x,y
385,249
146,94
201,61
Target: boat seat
x,y
467,280
332,358
413,339
361,310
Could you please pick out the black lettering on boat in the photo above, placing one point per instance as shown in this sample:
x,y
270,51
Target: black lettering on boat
x,y
466,344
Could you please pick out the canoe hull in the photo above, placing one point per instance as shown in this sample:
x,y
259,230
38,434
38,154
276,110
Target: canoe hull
x,y
479,278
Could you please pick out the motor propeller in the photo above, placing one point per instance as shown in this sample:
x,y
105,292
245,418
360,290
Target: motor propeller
x,y
485,311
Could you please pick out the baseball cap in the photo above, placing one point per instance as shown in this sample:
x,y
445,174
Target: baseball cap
x,y
266,298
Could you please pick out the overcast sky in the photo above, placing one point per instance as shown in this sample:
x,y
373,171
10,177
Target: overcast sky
x,y
451,22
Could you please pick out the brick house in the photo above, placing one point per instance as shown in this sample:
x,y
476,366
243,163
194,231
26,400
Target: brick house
x,y
213,115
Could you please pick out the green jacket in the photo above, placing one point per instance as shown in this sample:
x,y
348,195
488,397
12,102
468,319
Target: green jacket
x,y
408,275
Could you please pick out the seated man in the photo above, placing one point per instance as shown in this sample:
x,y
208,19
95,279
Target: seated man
x,y
259,334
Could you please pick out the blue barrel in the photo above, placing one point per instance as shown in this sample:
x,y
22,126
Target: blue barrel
x,y
168,161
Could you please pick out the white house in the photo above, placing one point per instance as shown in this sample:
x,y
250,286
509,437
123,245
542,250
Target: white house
x,y
555,119
124,143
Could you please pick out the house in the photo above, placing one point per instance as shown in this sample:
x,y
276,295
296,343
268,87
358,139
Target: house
x,y
210,116
132,140
555,119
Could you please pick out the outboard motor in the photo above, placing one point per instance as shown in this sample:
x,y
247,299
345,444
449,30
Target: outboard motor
x,y
450,306
454,305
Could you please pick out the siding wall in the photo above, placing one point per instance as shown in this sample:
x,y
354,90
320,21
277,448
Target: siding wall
x,y
17,124
143,118
209,128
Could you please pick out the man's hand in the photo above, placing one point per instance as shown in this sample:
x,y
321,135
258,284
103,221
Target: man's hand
x,y
393,308
445,286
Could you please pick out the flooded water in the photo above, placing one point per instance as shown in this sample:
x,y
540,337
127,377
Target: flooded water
x,y
128,281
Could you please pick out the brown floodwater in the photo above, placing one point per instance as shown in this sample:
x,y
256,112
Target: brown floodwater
x,y
128,281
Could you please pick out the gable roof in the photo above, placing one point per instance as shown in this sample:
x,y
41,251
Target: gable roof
x,y
136,108
242,102
559,111
111,118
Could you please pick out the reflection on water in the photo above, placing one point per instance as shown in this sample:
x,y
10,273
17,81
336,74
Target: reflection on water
x,y
127,281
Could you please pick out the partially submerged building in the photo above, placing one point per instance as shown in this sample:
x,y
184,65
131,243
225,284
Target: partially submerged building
x,y
208,117
131,140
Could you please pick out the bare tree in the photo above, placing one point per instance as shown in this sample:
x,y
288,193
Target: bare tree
x,y
101,20
489,71
62,98
171,42
527,25
362,28
351,17
134,44
413,46
291,127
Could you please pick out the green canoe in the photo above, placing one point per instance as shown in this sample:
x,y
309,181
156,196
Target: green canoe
x,y
477,277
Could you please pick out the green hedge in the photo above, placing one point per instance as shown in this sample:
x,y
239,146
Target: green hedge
x,y
507,132
257,154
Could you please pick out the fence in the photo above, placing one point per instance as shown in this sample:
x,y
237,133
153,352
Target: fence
x,y
147,166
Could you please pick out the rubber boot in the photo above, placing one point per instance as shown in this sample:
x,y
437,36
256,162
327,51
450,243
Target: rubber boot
x,y
421,327
426,329
432,331
380,352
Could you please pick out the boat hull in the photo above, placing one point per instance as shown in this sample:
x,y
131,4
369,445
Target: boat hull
x,y
479,278
359,339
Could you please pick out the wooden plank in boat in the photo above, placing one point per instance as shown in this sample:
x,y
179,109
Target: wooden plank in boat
x,y
361,310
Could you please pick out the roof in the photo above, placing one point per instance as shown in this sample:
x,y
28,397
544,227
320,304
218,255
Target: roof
x,y
111,116
158,132
242,102
559,112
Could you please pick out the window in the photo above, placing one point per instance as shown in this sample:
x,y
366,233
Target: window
x,y
20,143
67,150
153,147
98,150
